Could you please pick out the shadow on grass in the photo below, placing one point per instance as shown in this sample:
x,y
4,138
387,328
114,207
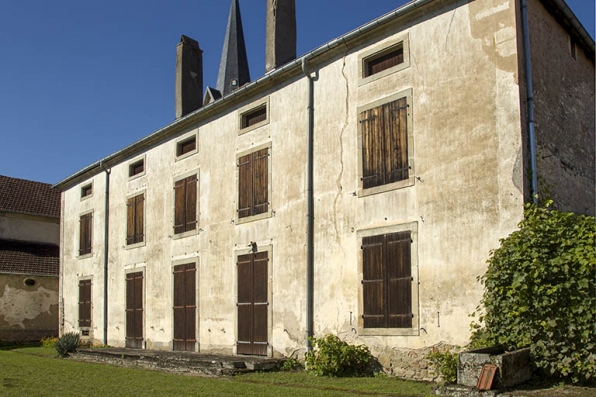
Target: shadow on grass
x,y
4,346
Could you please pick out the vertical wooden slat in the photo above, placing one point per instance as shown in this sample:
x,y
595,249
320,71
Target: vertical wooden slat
x,y
245,185
191,203
190,306
179,206
139,218
130,310
260,181
396,144
372,147
88,233
179,307
373,282
245,304
138,310
260,304
82,231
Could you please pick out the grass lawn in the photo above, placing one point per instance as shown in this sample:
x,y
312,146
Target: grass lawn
x,y
35,371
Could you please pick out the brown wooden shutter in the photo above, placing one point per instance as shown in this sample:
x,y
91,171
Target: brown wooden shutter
x,y
373,273
399,280
260,181
260,302
130,221
386,61
85,226
134,310
88,233
179,313
255,117
372,147
184,307
396,140
139,218
245,307
85,303
190,219
245,186
179,206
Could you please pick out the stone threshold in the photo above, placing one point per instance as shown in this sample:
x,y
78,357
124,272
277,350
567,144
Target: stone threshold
x,y
178,362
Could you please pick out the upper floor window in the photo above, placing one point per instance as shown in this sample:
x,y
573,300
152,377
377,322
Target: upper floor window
x,y
86,191
185,205
136,168
254,115
384,59
186,146
85,231
135,219
253,183
387,59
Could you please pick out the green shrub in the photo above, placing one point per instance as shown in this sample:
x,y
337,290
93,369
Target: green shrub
x,y
445,363
67,343
539,293
291,364
333,357
48,342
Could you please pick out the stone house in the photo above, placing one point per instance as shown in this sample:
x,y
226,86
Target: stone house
x,y
29,237
355,190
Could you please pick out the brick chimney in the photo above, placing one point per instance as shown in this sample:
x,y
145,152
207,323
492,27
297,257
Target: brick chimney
x,y
189,76
281,33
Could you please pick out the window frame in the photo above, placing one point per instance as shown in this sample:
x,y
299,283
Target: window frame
x,y
132,163
144,242
378,51
85,186
249,109
411,180
412,227
183,139
269,212
90,253
178,178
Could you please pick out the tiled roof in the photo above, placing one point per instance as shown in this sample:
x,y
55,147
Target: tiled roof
x,y
29,258
20,195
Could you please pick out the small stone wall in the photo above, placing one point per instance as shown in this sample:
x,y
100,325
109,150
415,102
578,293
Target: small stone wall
x,y
411,363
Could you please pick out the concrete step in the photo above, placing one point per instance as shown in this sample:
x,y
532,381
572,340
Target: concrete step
x,y
178,362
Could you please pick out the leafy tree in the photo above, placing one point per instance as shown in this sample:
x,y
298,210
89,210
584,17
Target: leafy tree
x,y
540,293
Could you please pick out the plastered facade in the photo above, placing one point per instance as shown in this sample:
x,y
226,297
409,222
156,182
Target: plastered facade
x,y
467,192
28,312
39,229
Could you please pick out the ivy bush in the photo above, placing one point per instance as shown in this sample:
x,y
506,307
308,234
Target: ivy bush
x,y
445,363
540,293
67,343
331,356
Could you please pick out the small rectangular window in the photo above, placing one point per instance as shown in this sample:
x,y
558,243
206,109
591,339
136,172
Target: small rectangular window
x,y
383,61
136,168
85,227
186,146
85,303
254,117
573,48
135,219
86,190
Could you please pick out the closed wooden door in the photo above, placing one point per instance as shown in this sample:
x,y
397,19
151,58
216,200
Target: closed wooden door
x,y
134,310
185,307
252,304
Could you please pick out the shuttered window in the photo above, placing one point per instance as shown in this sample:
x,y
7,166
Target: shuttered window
x,y
385,144
186,146
185,198
136,168
135,219
86,191
85,303
254,117
85,226
387,281
253,183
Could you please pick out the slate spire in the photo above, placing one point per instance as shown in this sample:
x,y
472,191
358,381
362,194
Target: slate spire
x,y
233,68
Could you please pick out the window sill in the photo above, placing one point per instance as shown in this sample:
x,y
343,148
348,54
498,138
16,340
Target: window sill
x,y
386,188
247,219
388,331
90,255
185,234
137,245
186,155
253,127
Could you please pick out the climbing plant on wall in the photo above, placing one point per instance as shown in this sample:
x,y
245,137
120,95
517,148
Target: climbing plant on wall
x,y
540,293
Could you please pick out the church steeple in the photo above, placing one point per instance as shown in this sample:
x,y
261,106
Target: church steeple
x,y
233,68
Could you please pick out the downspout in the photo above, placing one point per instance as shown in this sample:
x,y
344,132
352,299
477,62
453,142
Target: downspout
x,y
530,100
309,212
105,253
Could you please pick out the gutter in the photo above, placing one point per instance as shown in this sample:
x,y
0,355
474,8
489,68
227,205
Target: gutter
x,y
189,118
106,252
530,100
310,217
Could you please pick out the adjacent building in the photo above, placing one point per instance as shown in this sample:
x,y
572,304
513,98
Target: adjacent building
x,y
29,259
212,235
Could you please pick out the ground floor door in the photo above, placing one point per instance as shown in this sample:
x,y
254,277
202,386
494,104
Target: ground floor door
x,y
134,310
252,304
185,307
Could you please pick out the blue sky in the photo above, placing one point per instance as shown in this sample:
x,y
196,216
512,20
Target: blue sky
x,y
80,80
